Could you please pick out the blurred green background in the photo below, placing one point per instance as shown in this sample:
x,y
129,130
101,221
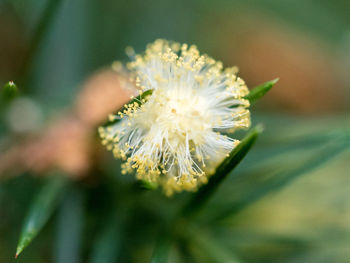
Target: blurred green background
x,y
305,43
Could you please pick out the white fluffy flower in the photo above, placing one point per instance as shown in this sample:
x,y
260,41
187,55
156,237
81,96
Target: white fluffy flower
x,y
174,136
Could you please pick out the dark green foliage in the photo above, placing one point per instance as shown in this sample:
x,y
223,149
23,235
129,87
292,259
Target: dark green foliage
x,y
276,181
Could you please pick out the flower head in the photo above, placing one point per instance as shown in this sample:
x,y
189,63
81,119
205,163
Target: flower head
x,y
177,135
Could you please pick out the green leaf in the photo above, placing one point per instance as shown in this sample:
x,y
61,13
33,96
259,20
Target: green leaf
x,y
9,91
139,100
282,179
107,244
236,156
259,91
146,185
41,209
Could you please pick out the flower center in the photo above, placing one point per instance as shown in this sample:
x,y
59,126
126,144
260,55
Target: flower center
x,y
179,115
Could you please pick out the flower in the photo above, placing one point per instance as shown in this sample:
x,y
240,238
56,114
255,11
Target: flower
x,y
177,135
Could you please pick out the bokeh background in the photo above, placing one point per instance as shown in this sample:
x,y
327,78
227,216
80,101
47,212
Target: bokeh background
x,y
305,43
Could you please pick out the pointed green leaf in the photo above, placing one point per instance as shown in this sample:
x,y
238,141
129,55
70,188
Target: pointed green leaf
x,y
259,91
9,91
41,209
139,100
224,169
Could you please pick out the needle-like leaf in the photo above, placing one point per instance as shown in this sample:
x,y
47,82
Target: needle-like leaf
x,y
9,91
139,100
259,91
41,209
